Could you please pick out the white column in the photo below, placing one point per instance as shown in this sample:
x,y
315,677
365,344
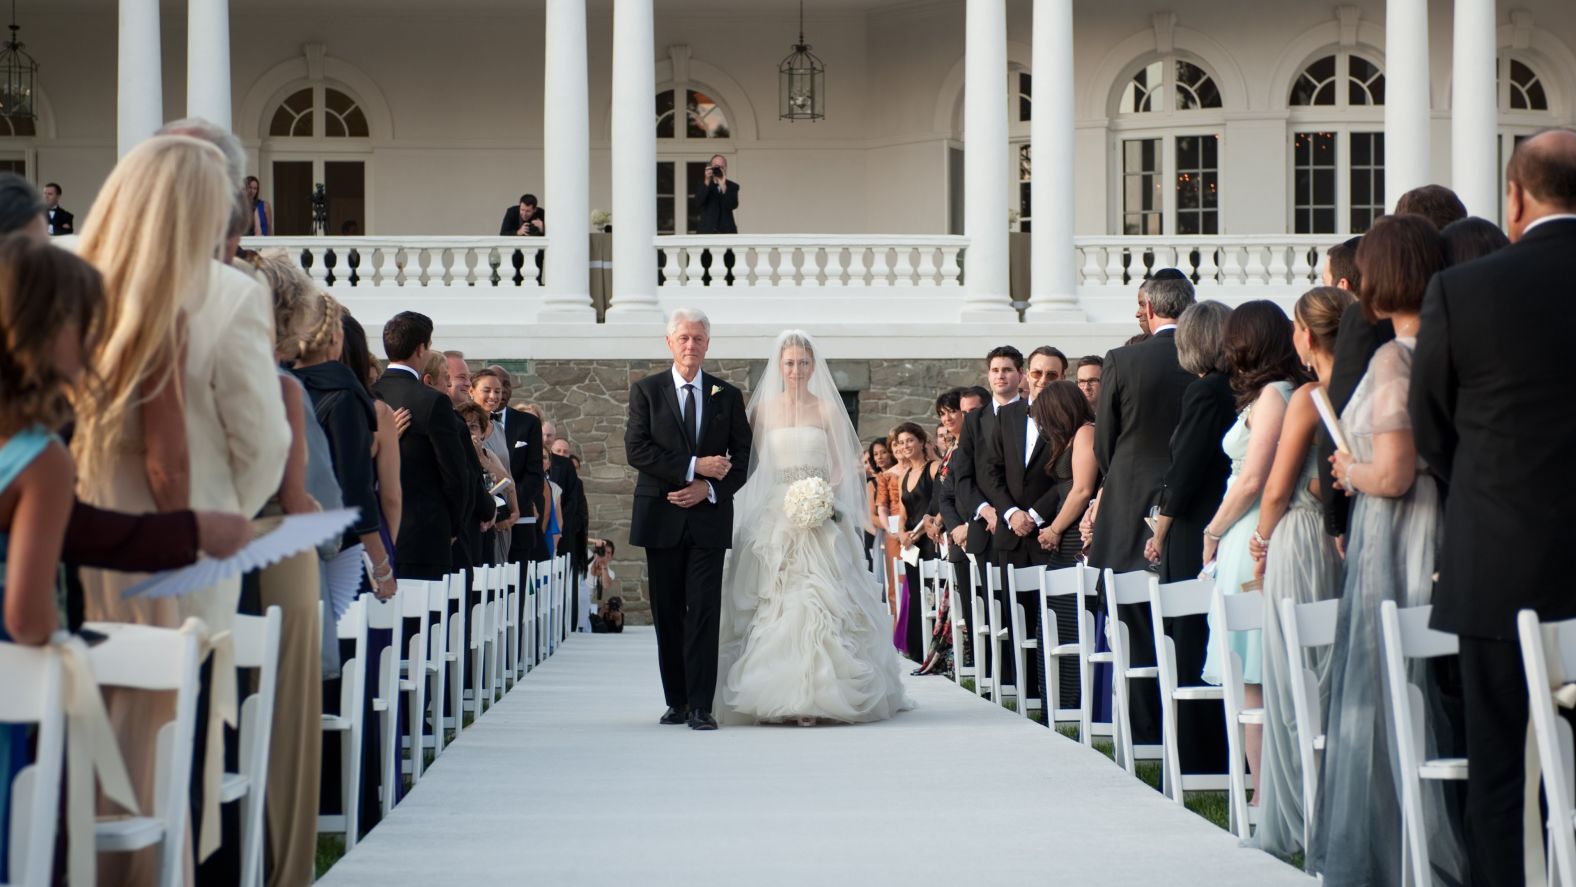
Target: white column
x,y
1406,118
139,83
1053,267
566,161
208,60
986,167
634,163
1474,109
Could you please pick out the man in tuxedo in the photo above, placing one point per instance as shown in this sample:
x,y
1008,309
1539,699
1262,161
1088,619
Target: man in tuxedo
x,y
689,438
433,475
524,219
575,522
523,434
1019,487
717,198
1501,431
479,506
59,221
1140,404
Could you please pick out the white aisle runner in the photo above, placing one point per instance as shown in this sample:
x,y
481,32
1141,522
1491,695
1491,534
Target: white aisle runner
x,y
572,781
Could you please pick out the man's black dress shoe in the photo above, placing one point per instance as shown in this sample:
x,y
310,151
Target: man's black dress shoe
x,y
675,716
700,719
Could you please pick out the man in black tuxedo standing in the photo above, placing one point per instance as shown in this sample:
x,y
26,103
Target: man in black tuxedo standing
x,y
59,221
1141,390
1490,412
717,198
689,437
523,433
956,519
433,473
525,219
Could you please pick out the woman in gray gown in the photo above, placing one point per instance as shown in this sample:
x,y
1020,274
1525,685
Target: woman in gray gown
x,y
1390,548
1298,562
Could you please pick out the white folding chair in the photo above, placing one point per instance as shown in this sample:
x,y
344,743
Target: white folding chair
x,y
458,653
1124,589
999,639
1025,648
414,595
1077,582
1404,636
256,647
31,694
544,594
1242,611
147,658
349,724
437,669
956,601
1192,597
929,599
514,666
387,615
986,664
1548,658
500,632
479,645
1305,627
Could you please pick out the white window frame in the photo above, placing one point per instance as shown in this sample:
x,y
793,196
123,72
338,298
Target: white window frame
x,y
1167,124
1514,124
318,148
1342,119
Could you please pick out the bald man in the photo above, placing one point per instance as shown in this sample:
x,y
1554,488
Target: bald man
x,y
1490,413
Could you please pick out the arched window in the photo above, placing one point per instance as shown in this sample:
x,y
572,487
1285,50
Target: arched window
x,y
1524,109
1337,144
297,116
681,168
18,127
304,147
1168,122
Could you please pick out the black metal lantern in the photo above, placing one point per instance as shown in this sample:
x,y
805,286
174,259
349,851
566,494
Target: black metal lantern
x,y
18,76
801,81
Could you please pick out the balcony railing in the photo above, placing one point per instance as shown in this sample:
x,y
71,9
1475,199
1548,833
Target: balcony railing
x,y
413,261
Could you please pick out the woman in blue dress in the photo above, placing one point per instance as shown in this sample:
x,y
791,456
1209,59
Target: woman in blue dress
x,y
1264,372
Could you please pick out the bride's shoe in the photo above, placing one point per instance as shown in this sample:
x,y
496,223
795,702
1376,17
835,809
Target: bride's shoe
x,y
807,722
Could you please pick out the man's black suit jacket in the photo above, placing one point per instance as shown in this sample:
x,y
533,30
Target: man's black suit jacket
x,y
434,474
511,222
979,428
716,209
1490,407
60,222
1010,483
658,447
947,503
523,434
577,515
1355,345
1140,404
479,508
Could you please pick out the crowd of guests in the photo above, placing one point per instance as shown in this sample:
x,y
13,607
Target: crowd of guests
x,y
164,394
1197,450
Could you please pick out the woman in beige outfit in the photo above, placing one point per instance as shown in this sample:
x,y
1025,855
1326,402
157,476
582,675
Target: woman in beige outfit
x,y
188,336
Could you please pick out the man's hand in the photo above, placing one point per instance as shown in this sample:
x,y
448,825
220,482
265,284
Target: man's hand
x,y
960,535
989,514
714,467
525,228
690,496
535,223
1021,523
221,534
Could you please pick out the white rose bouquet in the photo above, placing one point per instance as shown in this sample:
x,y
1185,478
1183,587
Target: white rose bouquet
x,y
809,503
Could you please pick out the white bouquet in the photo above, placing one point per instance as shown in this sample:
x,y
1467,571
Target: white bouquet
x,y
809,502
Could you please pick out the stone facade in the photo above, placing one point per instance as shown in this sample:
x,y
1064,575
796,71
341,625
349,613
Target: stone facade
x,y
588,402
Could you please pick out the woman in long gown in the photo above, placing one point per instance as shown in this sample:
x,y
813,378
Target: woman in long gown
x,y
1065,419
1390,548
1264,372
916,495
803,635
1298,562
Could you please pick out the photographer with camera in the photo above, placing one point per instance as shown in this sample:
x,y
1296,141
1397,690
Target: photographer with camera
x,y
610,615
526,219
717,198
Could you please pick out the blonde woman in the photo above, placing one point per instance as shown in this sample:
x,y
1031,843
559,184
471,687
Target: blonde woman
x,y
186,339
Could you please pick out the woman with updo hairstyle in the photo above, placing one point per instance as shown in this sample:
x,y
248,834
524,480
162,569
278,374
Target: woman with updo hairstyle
x,y
916,528
435,372
1298,562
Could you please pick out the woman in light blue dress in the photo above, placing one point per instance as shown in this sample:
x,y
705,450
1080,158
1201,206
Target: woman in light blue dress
x,y
1391,542
1264,371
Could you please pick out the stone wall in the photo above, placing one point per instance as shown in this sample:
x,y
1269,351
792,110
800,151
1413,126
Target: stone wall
x,y
588,402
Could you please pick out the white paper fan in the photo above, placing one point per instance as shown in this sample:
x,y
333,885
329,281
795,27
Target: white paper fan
x,y
295,534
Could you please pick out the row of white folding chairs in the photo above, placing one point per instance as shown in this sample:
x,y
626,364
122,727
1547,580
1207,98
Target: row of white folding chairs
x,y
143,658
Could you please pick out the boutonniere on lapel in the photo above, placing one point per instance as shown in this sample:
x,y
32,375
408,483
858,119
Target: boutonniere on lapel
x,y
715,390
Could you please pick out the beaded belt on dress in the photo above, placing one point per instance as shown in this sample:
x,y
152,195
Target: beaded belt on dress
x,y
799,472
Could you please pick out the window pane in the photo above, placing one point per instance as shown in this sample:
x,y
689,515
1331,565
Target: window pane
x,y
665,114
356,122
704,120
1365,82
1313,182
1324,221
665,215
336,101
1197,184
664,178
1324,187
1195,88
1138,96
1367,179
282,122
1025,97
694,177
1141,178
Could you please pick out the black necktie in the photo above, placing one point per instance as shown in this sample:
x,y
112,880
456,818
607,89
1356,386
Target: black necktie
x,y
689,415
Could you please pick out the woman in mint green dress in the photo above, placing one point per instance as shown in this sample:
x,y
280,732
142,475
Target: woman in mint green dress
x,y
1264,372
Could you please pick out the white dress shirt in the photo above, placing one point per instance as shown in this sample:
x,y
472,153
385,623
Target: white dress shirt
x,y
1031,436
1556,217
995,409
1162,328
399,366
694,422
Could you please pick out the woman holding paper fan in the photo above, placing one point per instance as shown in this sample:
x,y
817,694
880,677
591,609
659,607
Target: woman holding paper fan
x,y
1264,372
1390,548
1298,562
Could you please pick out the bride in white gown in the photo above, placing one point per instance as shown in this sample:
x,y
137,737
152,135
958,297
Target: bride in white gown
x,y
804,634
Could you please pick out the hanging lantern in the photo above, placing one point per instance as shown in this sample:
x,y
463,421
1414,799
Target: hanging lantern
x,y
18,76
801,81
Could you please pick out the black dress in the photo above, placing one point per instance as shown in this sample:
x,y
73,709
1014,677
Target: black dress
x,y
916,504
1194,485
1068,550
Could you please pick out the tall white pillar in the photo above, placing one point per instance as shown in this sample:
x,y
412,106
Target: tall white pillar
x,y
566,162
1053,271
634,163
986,168
1406,117
1474,109
139,82
208,60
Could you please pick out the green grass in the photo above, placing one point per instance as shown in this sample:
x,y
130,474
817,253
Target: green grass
x,y
1210,805
329,849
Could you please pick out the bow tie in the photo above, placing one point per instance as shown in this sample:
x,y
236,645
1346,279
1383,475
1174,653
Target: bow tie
x,y
498,416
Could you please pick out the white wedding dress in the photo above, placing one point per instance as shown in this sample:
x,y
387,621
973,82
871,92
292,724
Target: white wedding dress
x,y
804,631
